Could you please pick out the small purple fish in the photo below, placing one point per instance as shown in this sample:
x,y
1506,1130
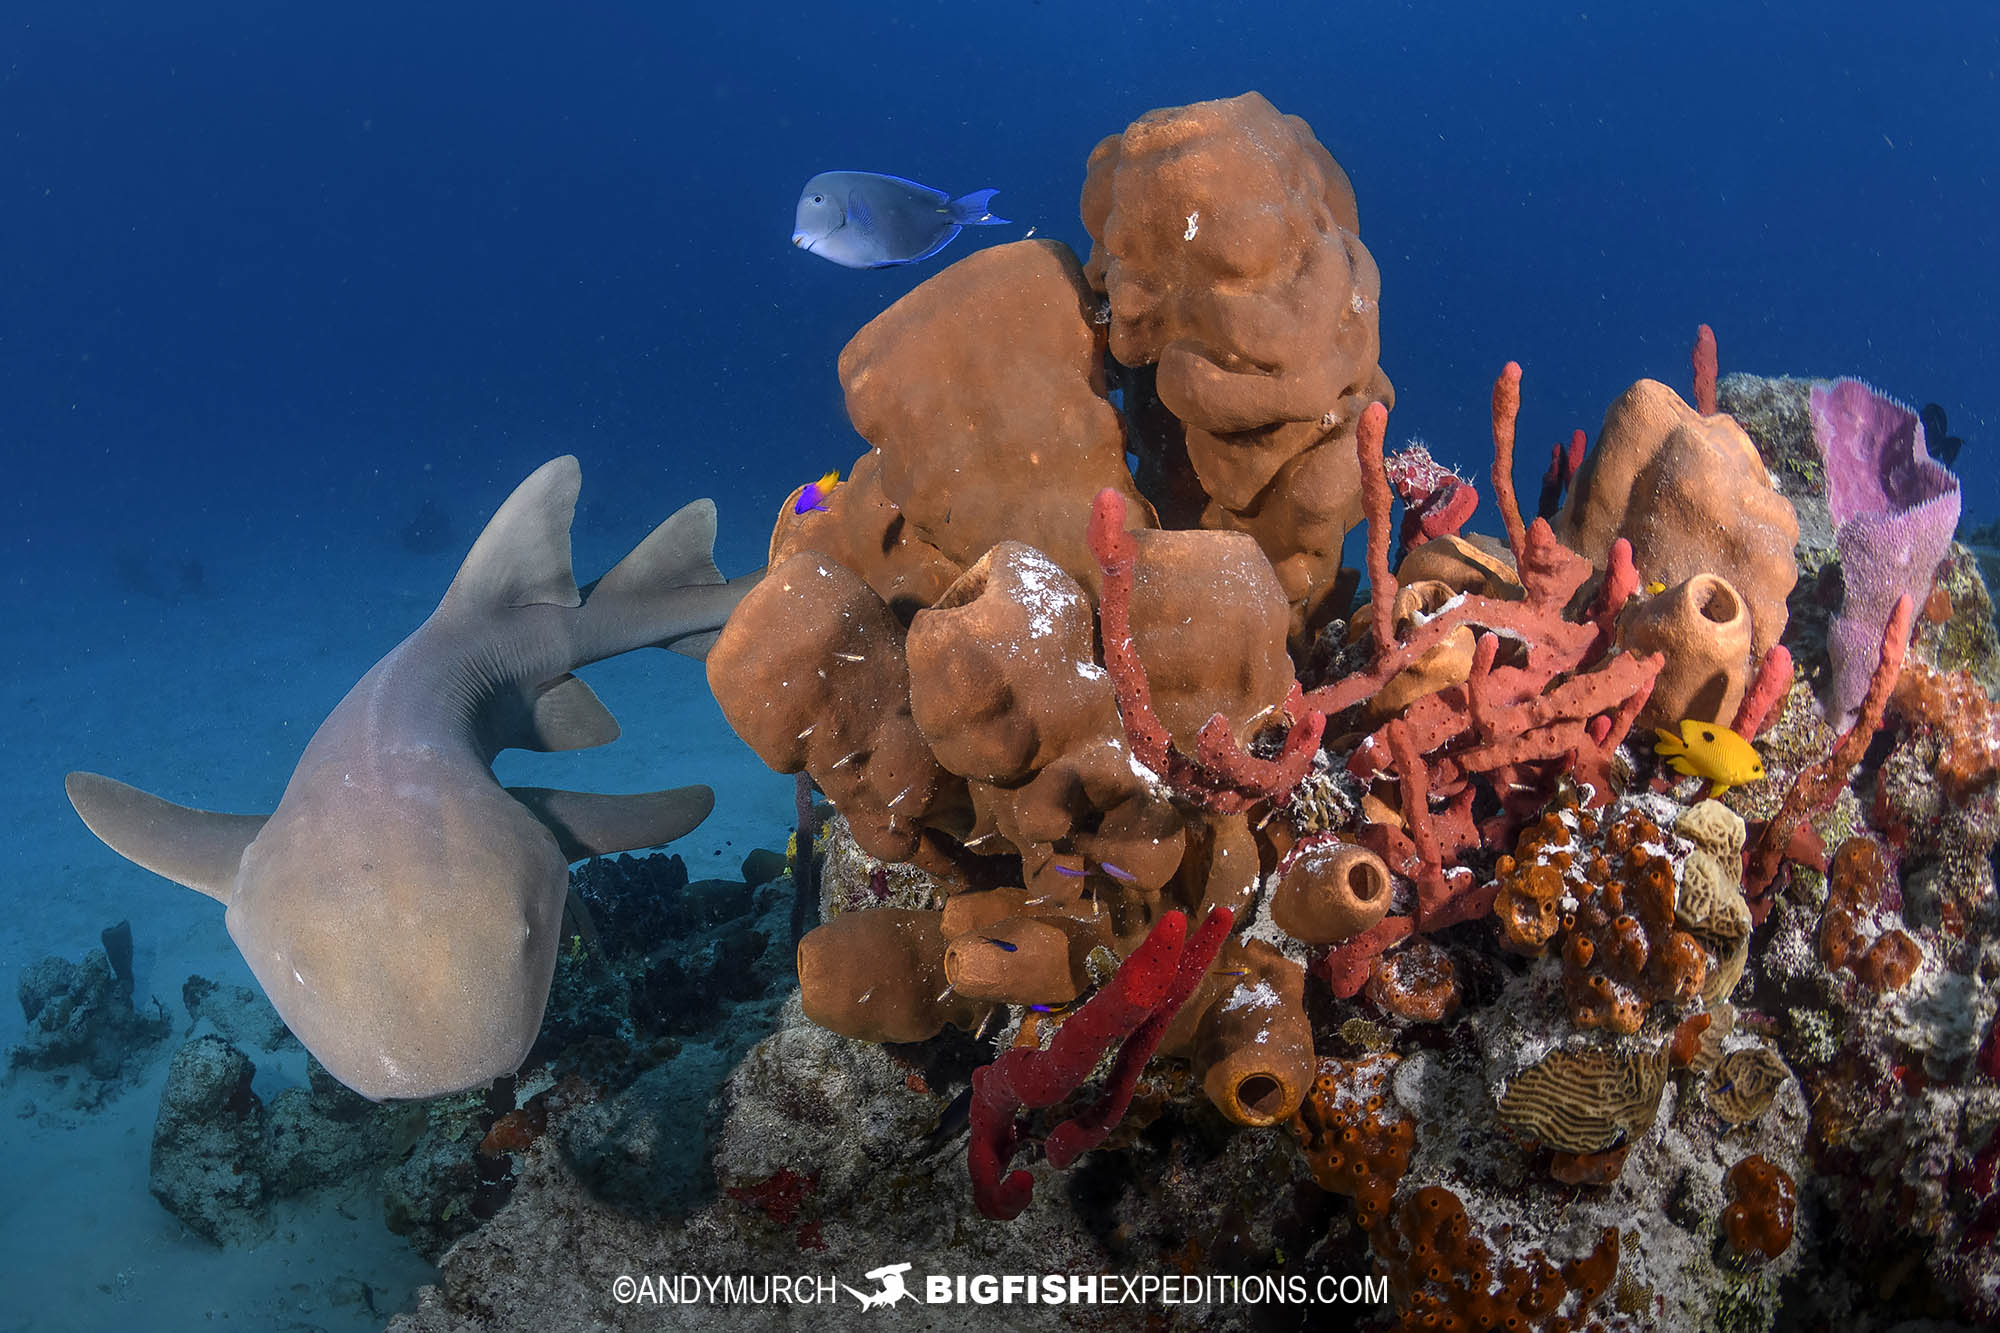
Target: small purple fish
x,y
1116,873
812,496
1071,871
1004,946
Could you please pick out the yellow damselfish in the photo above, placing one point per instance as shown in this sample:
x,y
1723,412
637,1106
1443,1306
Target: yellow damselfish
x,y
1711,750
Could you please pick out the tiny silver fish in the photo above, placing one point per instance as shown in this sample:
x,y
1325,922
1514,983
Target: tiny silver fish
x,y
859,219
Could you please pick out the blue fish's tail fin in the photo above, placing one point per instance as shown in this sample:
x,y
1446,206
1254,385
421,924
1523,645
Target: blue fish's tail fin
x,y
969,210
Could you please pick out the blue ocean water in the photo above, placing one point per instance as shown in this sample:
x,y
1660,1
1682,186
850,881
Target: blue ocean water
x,y
273,277
251,250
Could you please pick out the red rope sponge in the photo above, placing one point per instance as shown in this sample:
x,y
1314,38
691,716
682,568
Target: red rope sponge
x,y
1134,1007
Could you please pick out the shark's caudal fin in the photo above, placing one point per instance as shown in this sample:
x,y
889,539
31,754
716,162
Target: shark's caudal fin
x,y
587,824
666,593
522,556
198,848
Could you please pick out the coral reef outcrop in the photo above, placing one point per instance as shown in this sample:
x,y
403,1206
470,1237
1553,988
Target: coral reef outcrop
x,y
1505,979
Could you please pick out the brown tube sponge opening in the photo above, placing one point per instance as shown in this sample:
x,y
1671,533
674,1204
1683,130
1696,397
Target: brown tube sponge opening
x,y
1702,626
1020,960
1329,891
1253,1047
878,975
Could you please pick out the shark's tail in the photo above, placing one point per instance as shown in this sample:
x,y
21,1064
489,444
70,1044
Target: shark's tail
x,y
667,593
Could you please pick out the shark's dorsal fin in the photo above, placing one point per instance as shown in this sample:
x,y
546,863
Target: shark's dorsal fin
x,y
198,848
665,592
680,553
522,557
587,824
559,714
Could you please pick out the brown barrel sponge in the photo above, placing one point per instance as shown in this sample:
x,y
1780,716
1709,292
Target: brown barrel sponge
x,y
1003,669
1692,496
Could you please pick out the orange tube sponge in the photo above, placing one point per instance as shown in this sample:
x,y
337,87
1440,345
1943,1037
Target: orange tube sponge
x,y
1024,960
1253,1046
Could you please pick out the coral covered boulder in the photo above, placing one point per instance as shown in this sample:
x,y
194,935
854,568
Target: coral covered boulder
x,y
208,1143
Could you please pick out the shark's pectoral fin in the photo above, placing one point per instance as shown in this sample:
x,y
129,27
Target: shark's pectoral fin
x,y
560,714
578,920
694,645
198,848
587,824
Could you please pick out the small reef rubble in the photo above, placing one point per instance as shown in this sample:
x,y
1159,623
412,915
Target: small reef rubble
x,y
86,1039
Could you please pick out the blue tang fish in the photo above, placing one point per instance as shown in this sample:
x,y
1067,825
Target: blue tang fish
x,y
858,219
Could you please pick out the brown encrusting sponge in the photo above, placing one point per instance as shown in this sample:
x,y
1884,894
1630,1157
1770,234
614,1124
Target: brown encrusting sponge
x,y
1762,1205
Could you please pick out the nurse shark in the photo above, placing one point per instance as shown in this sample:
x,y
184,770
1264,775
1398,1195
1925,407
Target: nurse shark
x,y
400,907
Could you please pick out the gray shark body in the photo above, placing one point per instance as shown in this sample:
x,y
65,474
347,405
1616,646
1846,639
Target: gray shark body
x,y
400,907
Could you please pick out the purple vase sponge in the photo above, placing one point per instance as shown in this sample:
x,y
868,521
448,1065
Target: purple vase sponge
x,y
1894,510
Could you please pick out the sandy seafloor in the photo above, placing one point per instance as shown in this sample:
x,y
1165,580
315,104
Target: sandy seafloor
x,y
208,700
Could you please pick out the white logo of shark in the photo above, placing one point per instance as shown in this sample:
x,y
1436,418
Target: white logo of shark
x,y
893,1290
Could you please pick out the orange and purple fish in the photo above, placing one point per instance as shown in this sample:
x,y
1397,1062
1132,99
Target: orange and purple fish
x,y
812,495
